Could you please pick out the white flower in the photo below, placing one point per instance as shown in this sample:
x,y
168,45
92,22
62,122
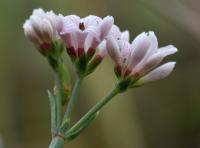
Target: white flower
x,y
140,58
42,28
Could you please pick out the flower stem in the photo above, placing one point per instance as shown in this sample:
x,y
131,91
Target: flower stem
x,y
57,142
72,100
94,109
58,85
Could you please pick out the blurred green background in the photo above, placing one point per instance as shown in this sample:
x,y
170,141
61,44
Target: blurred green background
x,y
163,114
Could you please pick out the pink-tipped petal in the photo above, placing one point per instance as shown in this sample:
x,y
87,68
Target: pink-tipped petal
x,y
158,73
106,26
113,49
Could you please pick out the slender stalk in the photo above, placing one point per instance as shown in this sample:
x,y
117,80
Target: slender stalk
x,y
52,102
94,109
72,100
57,142
58,85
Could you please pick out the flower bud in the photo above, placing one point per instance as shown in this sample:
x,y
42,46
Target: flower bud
x,y
42,29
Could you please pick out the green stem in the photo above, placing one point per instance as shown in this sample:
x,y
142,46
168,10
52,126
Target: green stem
x,y
57,142
95,109
72,100
58,85
52,101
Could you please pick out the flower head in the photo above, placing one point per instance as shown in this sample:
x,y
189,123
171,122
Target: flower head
x,y
42,29
139,59
83,36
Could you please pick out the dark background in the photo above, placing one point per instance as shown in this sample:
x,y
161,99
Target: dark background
x,y
163,114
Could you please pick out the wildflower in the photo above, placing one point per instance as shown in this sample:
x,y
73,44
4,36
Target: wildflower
x,y
82,36
42,29
139,59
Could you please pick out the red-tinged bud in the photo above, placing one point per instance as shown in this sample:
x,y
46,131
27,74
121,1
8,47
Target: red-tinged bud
x,y
42,29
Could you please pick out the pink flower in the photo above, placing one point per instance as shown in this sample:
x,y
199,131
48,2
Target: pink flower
x,y
42,28
140,58
117,34
83,35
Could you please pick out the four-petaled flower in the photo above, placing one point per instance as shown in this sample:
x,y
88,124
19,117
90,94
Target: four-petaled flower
x,y
139,59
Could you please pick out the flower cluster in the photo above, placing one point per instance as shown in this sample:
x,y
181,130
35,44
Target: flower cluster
x,y
89,39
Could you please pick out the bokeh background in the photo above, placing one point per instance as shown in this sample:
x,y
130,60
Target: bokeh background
x,y
163,114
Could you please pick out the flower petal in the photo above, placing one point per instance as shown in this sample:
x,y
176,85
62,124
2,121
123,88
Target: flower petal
x,y
72,19
156,58
154,44
115,32
139,47
125,35
81,36
39,12
93,31
113,49
106,26
47,30
102,50
90,42
167,50
91,20
158,73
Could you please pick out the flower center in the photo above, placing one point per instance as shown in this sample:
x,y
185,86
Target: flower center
x,y
81,26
